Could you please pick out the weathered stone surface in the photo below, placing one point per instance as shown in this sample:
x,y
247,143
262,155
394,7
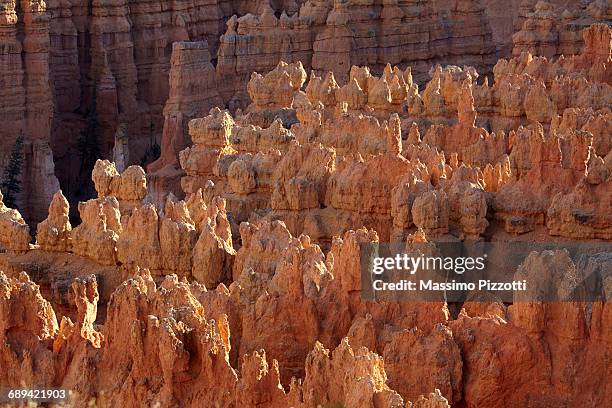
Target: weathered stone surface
x,y
583,212
331,36
14,232
536,329
139,243
259,383
192,94
278,87
172,319
116,63
362,383
96,237
436,351
27,105
430,213
53,234
177,238
27,325
236,295
130,186
213,253
164,240
63,60
503,16
368,122
553,29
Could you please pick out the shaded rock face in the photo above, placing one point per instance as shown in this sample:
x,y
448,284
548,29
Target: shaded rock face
x,y
554,28
27,107
553,24
192,94
503,17
64,60
114,58
333,36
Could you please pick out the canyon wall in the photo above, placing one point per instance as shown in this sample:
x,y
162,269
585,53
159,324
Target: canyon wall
x,y
163,301
561,24
503,17
69,63
70,66
333,36
554,28
26,106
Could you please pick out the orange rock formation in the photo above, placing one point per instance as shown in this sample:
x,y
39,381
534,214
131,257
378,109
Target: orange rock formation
x,y
64,61
229,276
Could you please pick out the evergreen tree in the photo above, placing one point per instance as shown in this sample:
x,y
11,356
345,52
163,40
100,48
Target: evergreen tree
x,y
88,146
11,185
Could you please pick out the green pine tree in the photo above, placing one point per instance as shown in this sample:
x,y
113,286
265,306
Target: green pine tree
x,y
11,184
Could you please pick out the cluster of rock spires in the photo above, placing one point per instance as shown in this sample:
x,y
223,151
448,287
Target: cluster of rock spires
x,y
164,341
554,28
246,292
62,59
132,63
333,158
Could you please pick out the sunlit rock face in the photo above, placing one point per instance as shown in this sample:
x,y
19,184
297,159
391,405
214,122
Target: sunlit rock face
x,y
69,61
227,272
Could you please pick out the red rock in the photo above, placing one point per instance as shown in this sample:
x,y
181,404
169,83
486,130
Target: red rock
x,y
129,188
550,30
96,237
235,295
27,327
213,253
363,381
15,233
53,234
192,94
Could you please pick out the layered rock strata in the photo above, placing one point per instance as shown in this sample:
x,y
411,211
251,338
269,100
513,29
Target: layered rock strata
x,y
554,28
192,94
68,62
27,106
453,179
333,36
194,301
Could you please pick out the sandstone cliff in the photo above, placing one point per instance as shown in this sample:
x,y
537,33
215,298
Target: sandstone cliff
x,y
554,28
67,62
333,36
462,175
27,107
244,289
